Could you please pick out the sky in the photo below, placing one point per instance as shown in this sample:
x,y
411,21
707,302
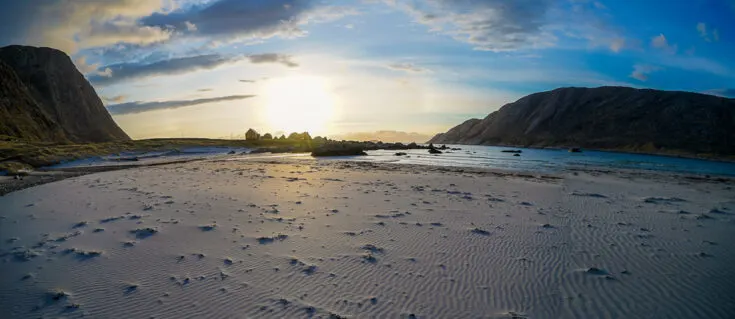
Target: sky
x,y
214,68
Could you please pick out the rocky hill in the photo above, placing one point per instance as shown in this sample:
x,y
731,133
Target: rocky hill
x,y
614,118
44,97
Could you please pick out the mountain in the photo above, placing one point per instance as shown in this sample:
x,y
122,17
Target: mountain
x,y
386,136
20,115
614,118
44,97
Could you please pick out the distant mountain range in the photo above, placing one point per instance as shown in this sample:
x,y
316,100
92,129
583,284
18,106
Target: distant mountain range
x,y
43,97
386,136
608,118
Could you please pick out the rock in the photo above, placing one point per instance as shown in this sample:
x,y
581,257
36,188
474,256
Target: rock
x,y
433,150
338,150
55,100
401,154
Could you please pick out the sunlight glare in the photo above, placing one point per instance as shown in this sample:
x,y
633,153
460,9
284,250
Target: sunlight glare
x,y
299,103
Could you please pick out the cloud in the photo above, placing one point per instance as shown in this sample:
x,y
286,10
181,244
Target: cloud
x,y
128,71
74,25
641,71
660,42
247,81
139,107
237,19
204,90
407,67
273,58
488,25
707,35
617,44
115,99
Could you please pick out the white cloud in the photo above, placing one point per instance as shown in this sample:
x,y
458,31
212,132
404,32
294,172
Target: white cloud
x,y
617,44
706,34
660,42
641,71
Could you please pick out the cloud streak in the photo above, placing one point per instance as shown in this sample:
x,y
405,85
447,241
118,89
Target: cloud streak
x,y
129,71
273,58
407,67
140,107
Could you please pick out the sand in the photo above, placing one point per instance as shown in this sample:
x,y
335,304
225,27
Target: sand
x,y
320,238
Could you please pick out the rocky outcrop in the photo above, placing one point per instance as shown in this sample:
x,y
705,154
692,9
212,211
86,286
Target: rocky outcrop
x,y
20,115
616,118
60,91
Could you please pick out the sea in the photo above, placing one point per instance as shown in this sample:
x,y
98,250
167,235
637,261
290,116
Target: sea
x,y
552,160
471,156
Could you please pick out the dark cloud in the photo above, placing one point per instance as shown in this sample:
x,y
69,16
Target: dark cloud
x,y
273,58
127,71
247,19
139,107
204,90
491,25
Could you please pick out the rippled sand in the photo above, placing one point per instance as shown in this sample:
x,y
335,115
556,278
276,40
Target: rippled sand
x,y
249,239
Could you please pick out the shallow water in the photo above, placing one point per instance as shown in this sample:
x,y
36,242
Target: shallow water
x,y
492,157
552,160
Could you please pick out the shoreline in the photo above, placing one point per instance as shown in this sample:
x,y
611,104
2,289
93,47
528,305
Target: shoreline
x,y
9,184
725,159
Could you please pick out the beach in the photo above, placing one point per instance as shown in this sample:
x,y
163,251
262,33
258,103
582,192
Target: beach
x,y
301,238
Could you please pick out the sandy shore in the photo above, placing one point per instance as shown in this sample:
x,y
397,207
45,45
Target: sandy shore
x,y
316,238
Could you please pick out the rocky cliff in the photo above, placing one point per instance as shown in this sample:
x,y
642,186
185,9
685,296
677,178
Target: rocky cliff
x,y
45,97
616,118
20,115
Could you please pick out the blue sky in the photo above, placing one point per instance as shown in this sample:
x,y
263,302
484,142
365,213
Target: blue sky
x,y
213,68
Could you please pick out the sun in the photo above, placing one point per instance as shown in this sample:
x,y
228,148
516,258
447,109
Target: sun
x,y
299,104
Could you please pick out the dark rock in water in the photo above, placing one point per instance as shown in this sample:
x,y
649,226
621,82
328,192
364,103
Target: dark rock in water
x,y
575,150
516,154
512,151
400,154
613,118
434,150
58,104
338,150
